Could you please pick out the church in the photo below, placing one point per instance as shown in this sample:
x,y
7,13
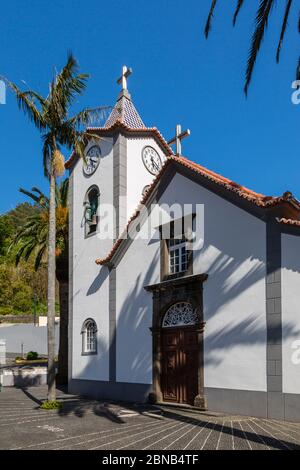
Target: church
x,y
184,285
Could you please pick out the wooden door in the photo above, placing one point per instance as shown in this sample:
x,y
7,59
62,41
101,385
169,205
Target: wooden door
x,y
179,365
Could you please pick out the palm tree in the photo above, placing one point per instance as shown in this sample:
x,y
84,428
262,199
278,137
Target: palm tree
x,y
51,116
31,241
261,22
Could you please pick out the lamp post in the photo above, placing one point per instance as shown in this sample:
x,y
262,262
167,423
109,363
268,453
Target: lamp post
x,y
34,308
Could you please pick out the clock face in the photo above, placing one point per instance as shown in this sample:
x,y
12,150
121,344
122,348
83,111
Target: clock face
x,y
92,158
152,160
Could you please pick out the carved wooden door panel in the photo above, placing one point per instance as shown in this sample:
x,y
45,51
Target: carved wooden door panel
x,y
170,365
179,365
190,358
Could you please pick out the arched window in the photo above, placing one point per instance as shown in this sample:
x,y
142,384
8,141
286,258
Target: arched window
x,y
180,314
89,337
146,189
91,203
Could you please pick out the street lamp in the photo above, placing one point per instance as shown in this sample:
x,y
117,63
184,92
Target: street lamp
x,y
34,308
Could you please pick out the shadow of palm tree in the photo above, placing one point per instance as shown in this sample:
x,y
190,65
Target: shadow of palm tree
x,y
82,407
233,269
31,397
271,442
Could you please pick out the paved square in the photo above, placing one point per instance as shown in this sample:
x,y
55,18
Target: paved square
x,y
89,424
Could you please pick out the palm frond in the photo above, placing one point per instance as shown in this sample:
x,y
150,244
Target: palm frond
x,y
25,251
48,149
237,10
27,104
43,199
39,199
36,97
283,28
38,191
261,21
31,238
32,229
63,192
66,86
89,134
39,256
29,249
19,255
209,18
30,194
88,116
80,144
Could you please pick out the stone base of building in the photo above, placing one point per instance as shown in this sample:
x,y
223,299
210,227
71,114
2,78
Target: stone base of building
x,y
274,405
116,391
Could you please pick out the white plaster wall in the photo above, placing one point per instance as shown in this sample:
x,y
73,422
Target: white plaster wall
x,y
91,367
290,290
90,282
139,267
234,257
137,175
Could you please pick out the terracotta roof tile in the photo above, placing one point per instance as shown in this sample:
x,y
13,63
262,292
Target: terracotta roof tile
x,y
120,126
293,222
252,196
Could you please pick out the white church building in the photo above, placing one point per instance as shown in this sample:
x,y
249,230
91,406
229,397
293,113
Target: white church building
x,y
189,292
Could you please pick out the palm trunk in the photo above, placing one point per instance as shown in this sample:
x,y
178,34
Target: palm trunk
x,y
62,375
51,292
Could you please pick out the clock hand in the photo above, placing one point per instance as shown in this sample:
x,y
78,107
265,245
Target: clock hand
x,y
154,163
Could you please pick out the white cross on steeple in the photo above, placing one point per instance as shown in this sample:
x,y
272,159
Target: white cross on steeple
x,y
123,79
178,138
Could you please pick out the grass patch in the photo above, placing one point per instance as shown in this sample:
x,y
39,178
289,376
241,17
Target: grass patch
x,y
51,405
20,360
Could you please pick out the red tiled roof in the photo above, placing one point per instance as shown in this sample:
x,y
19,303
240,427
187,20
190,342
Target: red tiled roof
x,y
118,125
125,112
251,196
294,222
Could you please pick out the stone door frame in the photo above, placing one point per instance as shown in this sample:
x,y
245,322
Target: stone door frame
x,y
186,289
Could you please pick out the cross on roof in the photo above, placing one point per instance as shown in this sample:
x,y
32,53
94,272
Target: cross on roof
x,y
178,138
123,79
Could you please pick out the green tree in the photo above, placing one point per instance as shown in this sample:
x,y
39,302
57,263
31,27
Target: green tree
x,y
6,230
10,222
24,275
31,242
15,293
51,116
263,13
20,213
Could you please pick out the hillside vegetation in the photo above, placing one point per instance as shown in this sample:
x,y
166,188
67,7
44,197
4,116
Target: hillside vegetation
x,y
19,285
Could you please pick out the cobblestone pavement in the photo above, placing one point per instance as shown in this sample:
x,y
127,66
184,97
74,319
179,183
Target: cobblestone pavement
x,y
88,424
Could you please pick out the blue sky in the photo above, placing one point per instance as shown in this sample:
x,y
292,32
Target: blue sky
x,y
179,77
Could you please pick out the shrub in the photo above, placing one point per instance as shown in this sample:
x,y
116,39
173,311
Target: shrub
x,y
32,355
15,291
51,405
6,310
21,296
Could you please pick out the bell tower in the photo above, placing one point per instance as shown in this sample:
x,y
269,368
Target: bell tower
x,y
138,153
119,168
122,158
